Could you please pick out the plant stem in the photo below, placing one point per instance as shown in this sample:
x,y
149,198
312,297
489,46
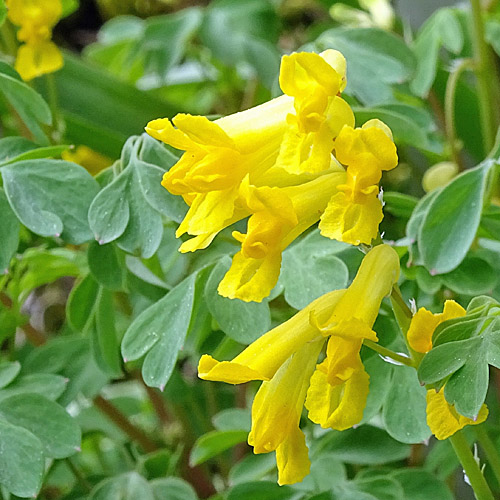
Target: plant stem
x,y
449,109
388,353
471,467
119,419
403,317
78,474
485,75
489,449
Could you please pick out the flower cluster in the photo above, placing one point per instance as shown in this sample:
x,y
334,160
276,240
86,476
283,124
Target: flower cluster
x,y
334,391
38,55
442,418
275,165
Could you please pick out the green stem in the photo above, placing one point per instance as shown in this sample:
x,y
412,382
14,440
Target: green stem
x,y
471,467
485,74
388,352
403,317
78,475
449,108
54,106
489,449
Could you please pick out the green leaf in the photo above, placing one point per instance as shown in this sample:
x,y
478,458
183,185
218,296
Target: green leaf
x,y
404,408
474,276
82,89
243,23
213,443
444,359
81,303
421,485
399,204
242,321
262,490
31,107
232,419
105,343
252,468
128,486
9,232
106,265
51,197
172,31
364,445
442,29
45,384
36,154
452,219
160,331
22,461
375,58
172,488
382,488
48,421
311,269
12,147
8,372
465,362
326,473
129,209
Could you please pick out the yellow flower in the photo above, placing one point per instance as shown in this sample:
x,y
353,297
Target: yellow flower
x,y
89,159
337,406
279,215
276,412
274,164
424,323
354,214
353,317
285,358
444,420
262,359
314,81
218,156
36,18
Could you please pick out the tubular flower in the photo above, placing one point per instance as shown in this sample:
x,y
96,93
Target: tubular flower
x,y
353,215
279,215
314,81
285,359
353,317
36,18
442,418
274,164
424,323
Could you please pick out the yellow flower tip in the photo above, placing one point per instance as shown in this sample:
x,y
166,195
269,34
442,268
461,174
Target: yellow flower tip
x,y
226,371
359,306
301,70
424,323
249,279
375,122
337,406
337,61
33,61
156,127
292,459
444,420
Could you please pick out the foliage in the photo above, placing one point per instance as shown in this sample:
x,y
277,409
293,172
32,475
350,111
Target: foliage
x,y
103,321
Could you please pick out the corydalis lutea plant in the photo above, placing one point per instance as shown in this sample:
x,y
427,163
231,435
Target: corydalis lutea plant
x,y
288,164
